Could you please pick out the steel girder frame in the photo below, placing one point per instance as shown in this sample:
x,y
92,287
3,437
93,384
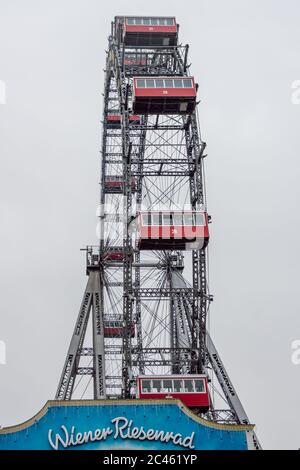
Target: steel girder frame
x,y
91,301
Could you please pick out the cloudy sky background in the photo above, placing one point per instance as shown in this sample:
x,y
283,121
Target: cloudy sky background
x,y
245,56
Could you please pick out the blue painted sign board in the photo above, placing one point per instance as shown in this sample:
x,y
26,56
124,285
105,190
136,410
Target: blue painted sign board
x,y
127,425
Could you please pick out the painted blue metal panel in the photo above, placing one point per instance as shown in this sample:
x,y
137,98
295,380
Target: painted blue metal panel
x,y
150,425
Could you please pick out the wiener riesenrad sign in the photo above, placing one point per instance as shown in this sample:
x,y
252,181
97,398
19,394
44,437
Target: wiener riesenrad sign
x,y
101,425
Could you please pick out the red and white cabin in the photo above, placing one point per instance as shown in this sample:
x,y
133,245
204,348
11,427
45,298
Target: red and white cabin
x,y
133,58
114,184
150,31
114,253
192,390
172,230
115,329
164,95
113,121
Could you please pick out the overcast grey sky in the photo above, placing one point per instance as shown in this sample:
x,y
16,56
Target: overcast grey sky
x,y
245,56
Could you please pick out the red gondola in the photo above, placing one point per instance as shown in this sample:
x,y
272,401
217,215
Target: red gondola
x,y
164,95
149,31
115,328
192,390
113,121
114,184
114,253
174,230
135,59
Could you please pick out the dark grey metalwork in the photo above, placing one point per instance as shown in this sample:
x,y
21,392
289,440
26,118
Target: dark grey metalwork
x,y
91,301
229,391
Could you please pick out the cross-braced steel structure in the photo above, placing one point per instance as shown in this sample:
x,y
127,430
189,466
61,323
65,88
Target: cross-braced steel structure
x,y
149,308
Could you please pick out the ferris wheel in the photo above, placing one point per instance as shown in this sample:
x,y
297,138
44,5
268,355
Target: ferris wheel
x,y
154,220
147,279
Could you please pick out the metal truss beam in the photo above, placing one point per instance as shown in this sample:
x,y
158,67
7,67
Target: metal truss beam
x,y
154,293
163,362
91,301
225,382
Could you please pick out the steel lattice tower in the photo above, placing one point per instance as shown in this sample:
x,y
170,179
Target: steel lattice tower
x,y
162,295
